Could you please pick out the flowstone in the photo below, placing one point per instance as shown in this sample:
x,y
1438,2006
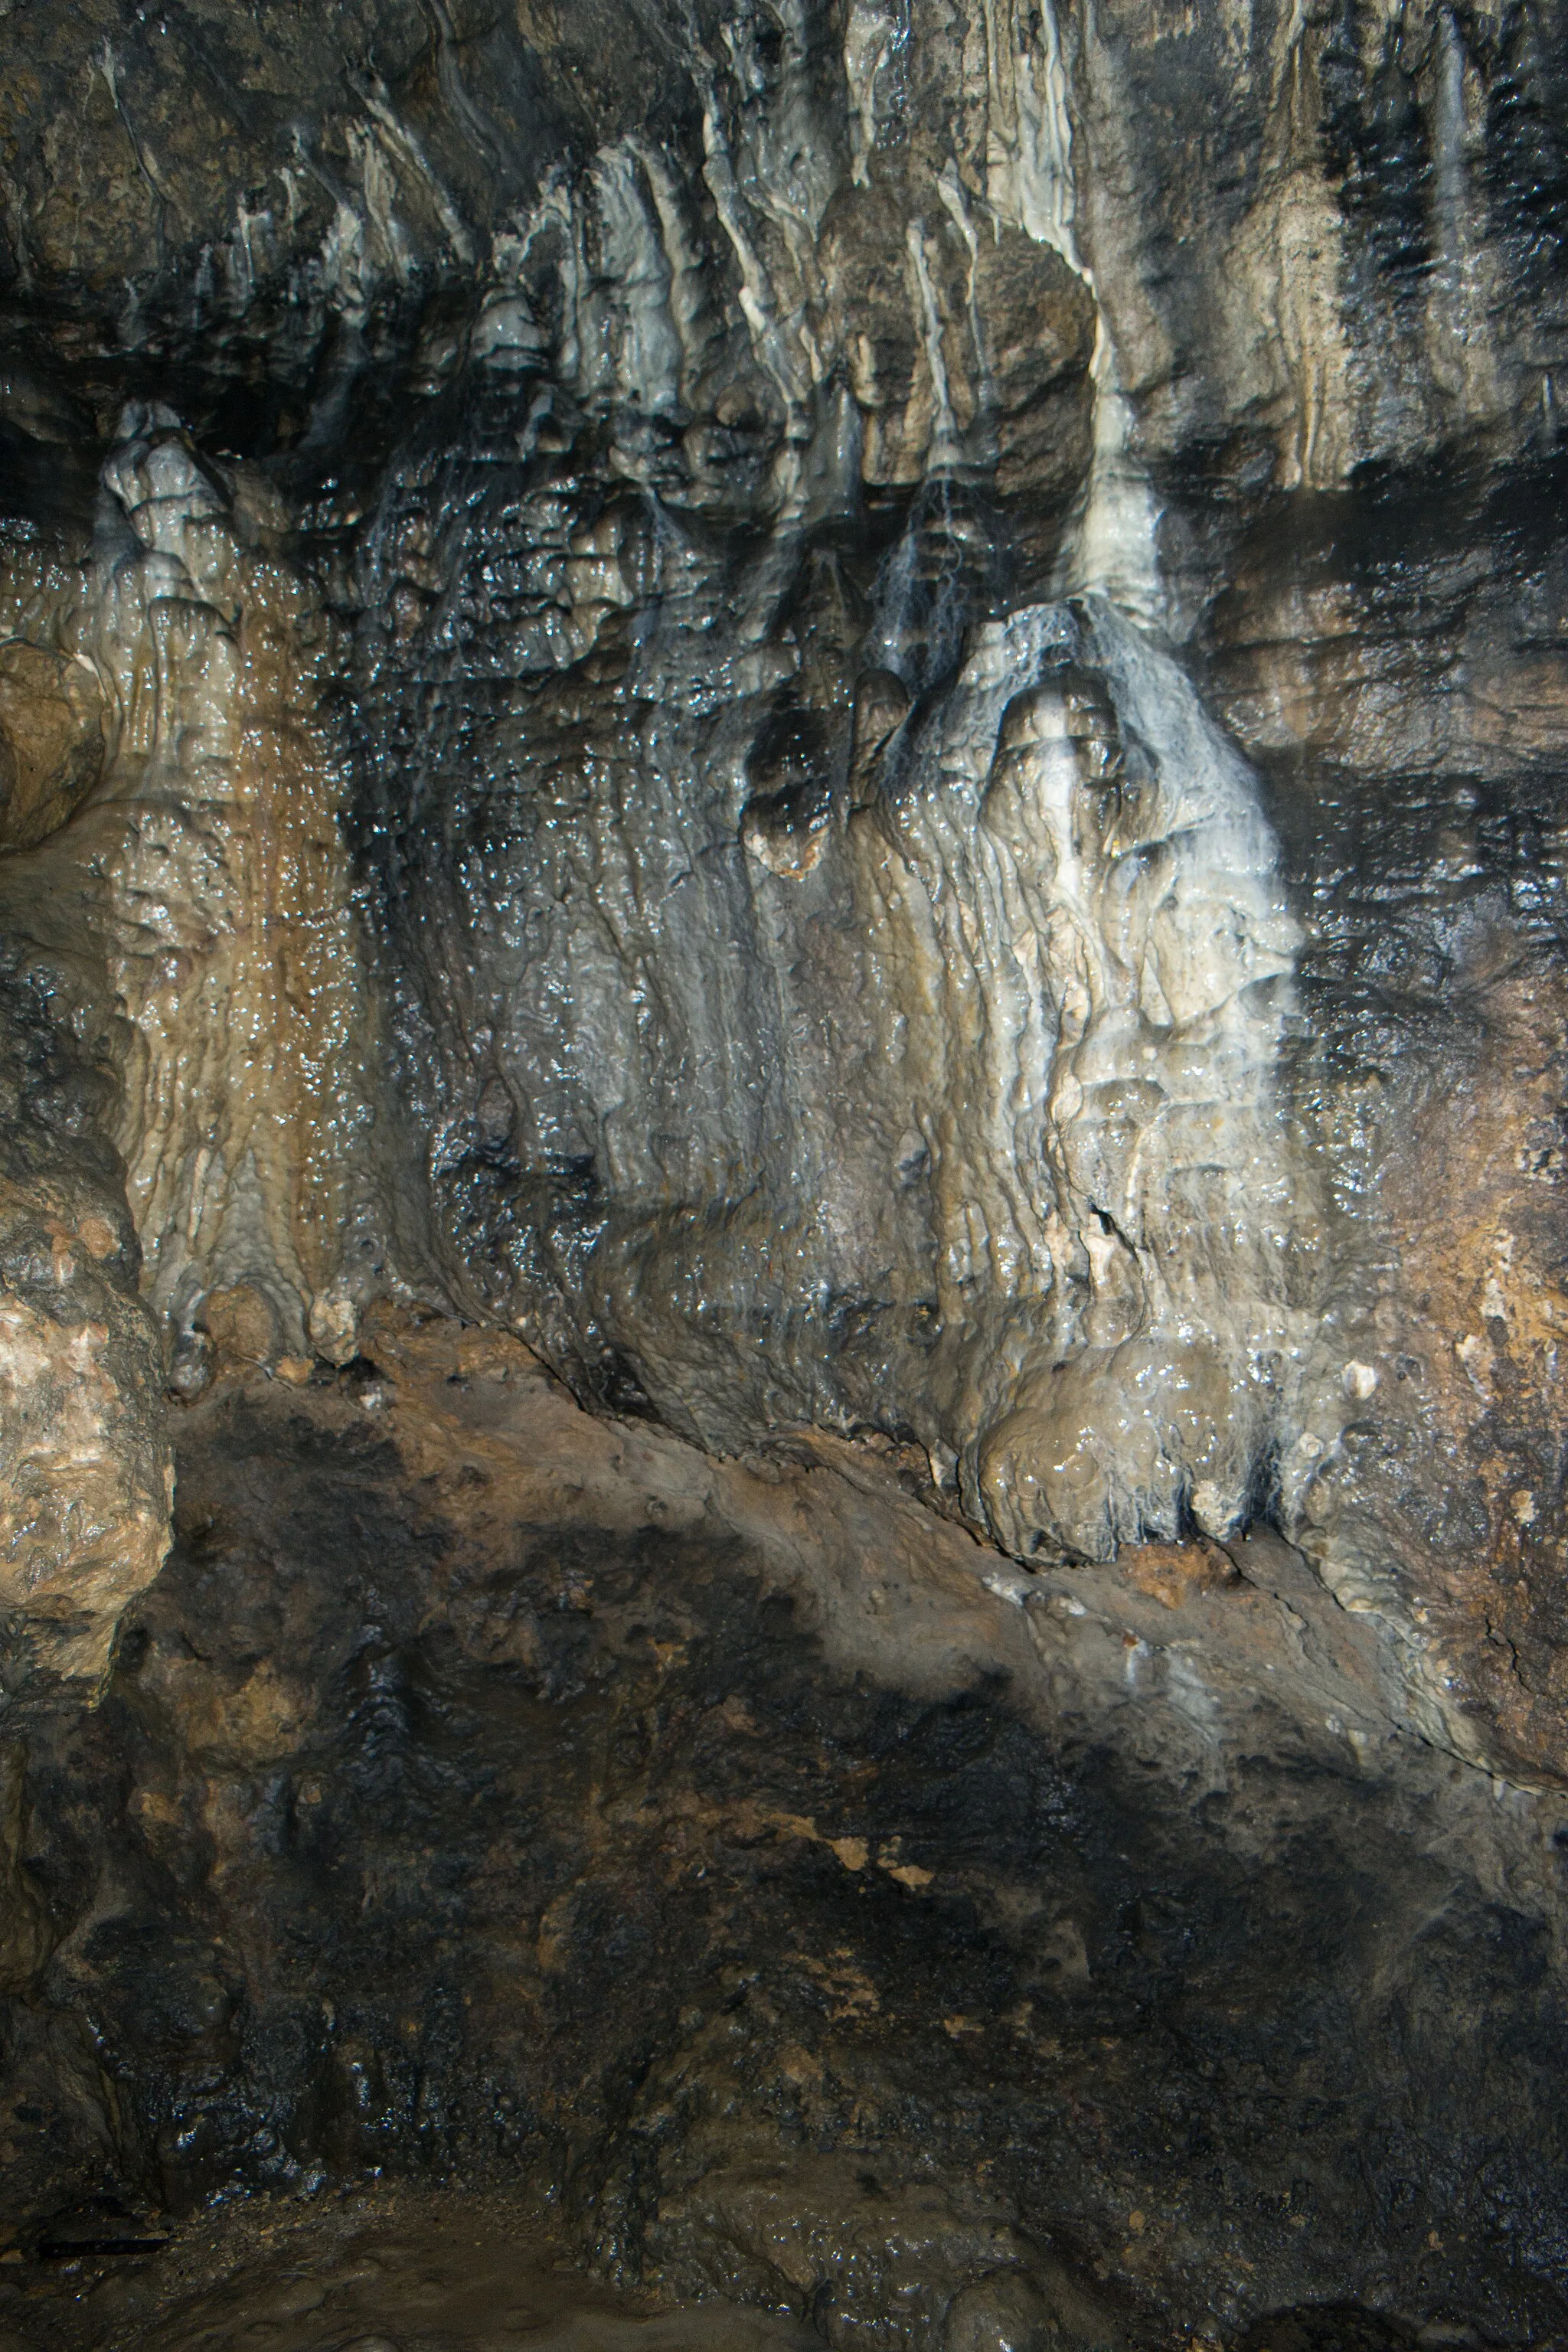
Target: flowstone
x,y
783,1049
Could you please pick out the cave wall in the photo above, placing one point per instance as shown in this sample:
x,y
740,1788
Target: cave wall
x,y
825,1914
851,712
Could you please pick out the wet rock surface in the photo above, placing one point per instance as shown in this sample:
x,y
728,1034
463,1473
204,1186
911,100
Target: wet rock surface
x,y
853,714
85,1472
828,1915
374,2271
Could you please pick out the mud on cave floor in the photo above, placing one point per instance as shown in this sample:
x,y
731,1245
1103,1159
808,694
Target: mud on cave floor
x,y
731,1879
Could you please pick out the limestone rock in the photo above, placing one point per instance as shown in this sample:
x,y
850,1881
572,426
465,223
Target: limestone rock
x,y
51,742
854,714
86,1480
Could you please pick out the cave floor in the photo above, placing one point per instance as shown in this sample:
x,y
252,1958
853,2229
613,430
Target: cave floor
x,y
799,1904
374,2267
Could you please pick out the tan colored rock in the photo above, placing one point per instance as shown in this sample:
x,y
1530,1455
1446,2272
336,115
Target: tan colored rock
x,y
85,1477
972,1068
52,741
1173,1574
241,1324
212,876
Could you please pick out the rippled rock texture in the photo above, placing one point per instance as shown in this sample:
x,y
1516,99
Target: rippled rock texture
x,y
850,713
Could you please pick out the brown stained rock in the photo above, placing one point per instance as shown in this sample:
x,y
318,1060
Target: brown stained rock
x,y
881,706
25,1936
86,1477
852,2241
1408,733
1038,330
1008,365
1174,1573
476,2270
241,1324
51,742
1460,1371
831,1913
647,764
86,1480
84,1523
867,266
212,875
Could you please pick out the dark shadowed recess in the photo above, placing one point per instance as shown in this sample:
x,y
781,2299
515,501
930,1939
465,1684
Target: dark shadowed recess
x,y
513,1892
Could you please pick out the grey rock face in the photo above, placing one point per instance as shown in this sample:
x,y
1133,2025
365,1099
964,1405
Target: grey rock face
x,y
975,1065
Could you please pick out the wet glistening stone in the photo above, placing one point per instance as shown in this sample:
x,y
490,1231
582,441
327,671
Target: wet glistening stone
x,y
782,1123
